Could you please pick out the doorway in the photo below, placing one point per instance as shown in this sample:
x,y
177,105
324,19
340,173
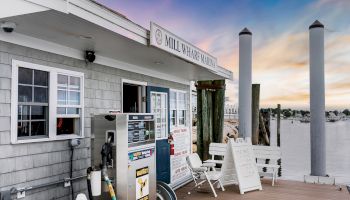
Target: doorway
x,y
133,96
158,104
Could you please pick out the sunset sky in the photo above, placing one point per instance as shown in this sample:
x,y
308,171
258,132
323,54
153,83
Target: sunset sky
x,y
280,41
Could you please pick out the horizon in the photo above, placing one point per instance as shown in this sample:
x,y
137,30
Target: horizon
x,y
280,41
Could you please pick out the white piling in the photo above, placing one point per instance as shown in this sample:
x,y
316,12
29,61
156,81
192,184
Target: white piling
x,y
317,100
245,83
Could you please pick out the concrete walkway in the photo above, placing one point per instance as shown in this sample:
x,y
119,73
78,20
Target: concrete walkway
x,y
282,190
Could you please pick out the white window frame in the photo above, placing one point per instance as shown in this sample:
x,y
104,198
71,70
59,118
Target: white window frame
x,y
166,114
177,125
53,72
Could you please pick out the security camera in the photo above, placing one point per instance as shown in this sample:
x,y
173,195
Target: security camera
x,y
8,27
90,56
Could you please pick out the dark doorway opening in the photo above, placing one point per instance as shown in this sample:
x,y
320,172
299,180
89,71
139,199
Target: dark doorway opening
x,y
131,98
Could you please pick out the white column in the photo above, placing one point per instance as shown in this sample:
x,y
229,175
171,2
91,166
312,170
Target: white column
x,y
245,83
317,100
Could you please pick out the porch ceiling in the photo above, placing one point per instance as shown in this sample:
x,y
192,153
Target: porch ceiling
x,y
76,33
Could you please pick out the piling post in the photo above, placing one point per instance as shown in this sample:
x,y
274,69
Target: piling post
x,y
219,109
245,83
279,161
255,113
317,100
278,125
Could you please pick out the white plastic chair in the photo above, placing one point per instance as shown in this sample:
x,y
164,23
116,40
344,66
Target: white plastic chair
x,y
201,172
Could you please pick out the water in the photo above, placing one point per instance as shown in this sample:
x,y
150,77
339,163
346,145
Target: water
x,y
295,147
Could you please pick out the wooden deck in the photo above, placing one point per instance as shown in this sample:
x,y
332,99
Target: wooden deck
x,y
282,190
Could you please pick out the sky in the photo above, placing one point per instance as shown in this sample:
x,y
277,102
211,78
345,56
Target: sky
x,y
280,41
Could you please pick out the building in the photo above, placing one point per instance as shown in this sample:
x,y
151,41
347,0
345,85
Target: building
x,y
50,89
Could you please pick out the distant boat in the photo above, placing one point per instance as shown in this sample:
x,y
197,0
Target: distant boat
x,y
305,120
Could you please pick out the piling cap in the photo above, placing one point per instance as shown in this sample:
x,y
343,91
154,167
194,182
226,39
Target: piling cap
x,y
316,24
245,31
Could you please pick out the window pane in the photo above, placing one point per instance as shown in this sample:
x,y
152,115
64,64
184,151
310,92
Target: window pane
x,y
38,128
73,110
41,78
40,95
23,129
68,126
74,98
173,121
74,83
25,76
24,93
62,81
62,97
181,121
172,100
23,112
39,112
61,111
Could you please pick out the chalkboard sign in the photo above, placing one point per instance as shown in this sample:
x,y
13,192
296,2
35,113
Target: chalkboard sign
x,y
239,166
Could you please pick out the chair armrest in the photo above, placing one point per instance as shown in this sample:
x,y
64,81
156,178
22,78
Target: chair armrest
x,y
200,169
209,164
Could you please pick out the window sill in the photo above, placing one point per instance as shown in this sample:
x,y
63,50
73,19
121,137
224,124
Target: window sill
x,y
56,138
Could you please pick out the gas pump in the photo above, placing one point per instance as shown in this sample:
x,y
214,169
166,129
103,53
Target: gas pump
x,y
126,145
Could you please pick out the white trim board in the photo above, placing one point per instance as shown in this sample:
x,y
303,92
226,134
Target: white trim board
x,y
43,45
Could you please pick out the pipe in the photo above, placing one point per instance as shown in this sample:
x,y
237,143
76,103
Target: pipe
x,y
245,83
28,188
317,100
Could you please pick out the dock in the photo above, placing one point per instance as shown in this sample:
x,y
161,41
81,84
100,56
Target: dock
x,y
283,190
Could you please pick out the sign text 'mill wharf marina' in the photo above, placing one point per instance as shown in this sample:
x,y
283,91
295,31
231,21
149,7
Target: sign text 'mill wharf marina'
x,y
167,41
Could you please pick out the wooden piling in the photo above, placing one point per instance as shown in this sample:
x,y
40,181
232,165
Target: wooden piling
x,y
210,114
219,111
278,125
255,113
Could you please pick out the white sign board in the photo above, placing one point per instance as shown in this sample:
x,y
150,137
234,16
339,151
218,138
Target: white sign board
x,y
167,41
239,166
182,148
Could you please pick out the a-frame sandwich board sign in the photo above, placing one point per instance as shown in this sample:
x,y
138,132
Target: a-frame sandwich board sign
x,y
239,166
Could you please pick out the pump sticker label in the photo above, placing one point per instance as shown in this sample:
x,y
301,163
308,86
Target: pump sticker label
x,y
138,155
142,184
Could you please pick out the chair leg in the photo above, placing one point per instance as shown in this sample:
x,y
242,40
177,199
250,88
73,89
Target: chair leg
x,y
222,187
211,186
273,177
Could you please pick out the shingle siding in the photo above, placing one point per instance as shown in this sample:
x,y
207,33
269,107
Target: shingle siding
x,y
44,162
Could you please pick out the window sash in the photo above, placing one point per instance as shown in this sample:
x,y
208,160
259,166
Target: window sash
x,y
51,104
180,104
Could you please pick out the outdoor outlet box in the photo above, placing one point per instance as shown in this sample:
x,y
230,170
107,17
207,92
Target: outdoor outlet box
x,y
21,194
67,183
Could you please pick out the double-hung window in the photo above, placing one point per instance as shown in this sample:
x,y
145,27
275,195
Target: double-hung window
x,y
47,103
178,108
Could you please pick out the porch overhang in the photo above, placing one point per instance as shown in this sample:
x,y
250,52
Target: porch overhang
x,y
117,41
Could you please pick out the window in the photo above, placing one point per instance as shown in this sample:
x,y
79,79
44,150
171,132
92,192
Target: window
x,y
68,104
159,107
47,103
32,102
172,108
178,108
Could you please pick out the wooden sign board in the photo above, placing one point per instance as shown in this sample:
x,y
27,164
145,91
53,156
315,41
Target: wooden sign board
x,y
239,166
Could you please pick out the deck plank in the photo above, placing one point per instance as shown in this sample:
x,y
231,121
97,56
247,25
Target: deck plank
x,y
283,190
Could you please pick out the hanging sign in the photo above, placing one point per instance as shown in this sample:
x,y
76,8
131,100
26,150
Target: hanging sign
x,y
167,41
182,148
239,166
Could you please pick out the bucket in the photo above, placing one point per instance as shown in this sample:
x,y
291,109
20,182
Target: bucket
x,y
96,183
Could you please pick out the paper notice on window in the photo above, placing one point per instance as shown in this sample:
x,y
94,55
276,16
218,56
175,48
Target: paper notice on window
x,y
182,148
